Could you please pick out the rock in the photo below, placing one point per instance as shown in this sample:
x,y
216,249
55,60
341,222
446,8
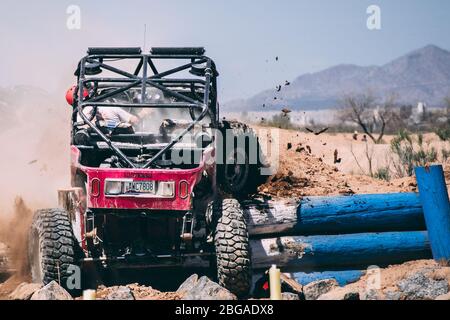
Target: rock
x,y
392,295
25,290
351,296
205,289
52,291
345,293
289,296
444,297
420,287
317,288
372,294
188,284
120,293
290,285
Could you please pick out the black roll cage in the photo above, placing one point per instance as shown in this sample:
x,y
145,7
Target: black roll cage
x,y
99,56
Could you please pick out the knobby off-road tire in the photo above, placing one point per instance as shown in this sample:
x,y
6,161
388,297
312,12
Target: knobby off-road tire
x,y
51,246
232,246
241,179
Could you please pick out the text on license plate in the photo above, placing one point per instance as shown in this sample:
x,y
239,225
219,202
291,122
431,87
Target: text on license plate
x,y
140,187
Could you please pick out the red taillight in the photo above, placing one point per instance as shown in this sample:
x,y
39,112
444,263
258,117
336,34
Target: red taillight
x,y
183,190
95,187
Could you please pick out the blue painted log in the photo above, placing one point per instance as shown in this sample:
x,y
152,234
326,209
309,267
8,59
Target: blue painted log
x,y
436,207
340,252
336,215
343,277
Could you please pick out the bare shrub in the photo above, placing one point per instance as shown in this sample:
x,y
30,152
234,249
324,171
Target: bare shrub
x,y
369,114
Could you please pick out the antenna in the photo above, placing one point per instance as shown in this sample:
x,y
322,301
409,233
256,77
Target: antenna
x,y
145,37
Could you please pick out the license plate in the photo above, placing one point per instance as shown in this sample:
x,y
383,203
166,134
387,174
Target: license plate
x,y
140,187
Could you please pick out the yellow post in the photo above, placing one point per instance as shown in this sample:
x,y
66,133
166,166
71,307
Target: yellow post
x,y
275,283
89,295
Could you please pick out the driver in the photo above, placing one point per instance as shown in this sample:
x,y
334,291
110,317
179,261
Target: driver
x,y
116,115
113,116
110,116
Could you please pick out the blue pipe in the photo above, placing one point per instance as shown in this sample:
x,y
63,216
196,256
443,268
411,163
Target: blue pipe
x,y
360,213
436,208
340,252
343,277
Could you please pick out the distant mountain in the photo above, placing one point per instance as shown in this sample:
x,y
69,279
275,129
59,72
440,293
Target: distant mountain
x,y
422,75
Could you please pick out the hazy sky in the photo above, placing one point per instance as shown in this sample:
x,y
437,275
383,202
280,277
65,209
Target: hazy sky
x,y
242,36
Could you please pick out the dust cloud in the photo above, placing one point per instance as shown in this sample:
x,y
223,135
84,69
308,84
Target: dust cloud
x,y
34,161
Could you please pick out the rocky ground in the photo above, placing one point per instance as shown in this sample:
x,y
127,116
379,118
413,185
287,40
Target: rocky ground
x,y
194,288
415,280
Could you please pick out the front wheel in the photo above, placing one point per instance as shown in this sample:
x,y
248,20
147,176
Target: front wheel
x,y
51,247
231,246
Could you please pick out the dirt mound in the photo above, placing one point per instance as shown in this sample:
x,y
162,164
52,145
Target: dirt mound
x,y
139,292
302,174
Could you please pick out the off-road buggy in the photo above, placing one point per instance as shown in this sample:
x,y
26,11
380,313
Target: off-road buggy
x,y
158,191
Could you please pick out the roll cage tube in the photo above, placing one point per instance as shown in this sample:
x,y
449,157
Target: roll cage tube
x,y
157,80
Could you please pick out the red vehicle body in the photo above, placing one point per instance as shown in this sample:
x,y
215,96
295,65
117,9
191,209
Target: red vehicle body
x,y
185,181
